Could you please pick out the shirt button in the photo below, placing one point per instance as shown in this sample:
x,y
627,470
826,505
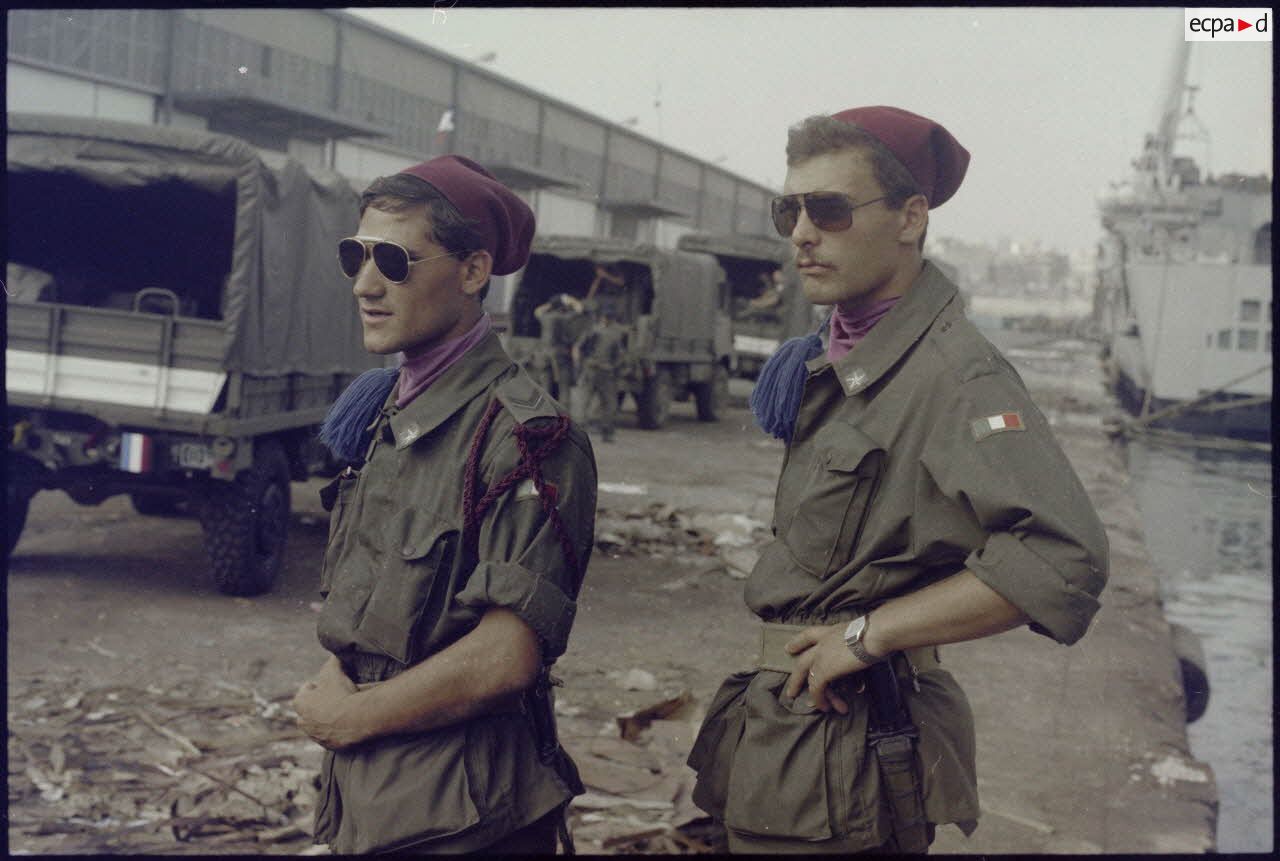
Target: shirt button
x,y
411,433
857,378
407,550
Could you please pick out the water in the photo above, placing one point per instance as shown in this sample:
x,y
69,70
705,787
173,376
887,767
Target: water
x,y
1207,520
1207,517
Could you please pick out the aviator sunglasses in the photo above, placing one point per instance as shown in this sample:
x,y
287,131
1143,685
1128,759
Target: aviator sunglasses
x,y
392,259
830,211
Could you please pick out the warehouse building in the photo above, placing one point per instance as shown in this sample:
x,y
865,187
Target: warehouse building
x,y
333,90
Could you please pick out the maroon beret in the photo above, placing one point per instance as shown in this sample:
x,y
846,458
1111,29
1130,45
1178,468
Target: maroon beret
x,y
926,149
503,220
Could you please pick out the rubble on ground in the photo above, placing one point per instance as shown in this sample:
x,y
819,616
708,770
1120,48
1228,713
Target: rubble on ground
x,y
664,532
201,767
638,798
213,767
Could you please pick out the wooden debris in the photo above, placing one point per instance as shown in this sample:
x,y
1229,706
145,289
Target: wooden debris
x,y
615,778
633,724
283,833
87,778
106,653
181,740
628,839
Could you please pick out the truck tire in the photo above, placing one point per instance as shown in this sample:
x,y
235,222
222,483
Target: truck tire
x,y
156,504
712,396
654,402
246,522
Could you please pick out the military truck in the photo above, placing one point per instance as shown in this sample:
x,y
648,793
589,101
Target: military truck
x,y
679,336
177,328
764,295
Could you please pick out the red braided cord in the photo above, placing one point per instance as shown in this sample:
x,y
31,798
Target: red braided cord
x,y
470,518
529,467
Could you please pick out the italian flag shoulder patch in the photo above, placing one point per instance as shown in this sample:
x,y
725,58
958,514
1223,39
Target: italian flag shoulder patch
x,y
983,428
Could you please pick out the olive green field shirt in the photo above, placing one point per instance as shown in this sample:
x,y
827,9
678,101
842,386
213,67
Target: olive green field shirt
x,y
916,455
400,586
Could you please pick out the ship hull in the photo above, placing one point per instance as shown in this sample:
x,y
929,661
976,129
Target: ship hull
x,y
1194,334
1252,422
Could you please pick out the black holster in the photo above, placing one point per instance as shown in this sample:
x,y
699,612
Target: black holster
x,y
540,707
893,737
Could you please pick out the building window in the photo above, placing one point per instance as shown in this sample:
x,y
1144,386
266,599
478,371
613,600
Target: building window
x,y
1247,340
1224,339
1250,311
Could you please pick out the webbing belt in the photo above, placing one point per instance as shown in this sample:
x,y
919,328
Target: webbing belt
x,y
774,636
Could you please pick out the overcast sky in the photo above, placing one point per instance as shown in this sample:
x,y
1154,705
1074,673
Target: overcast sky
x,y
1051,102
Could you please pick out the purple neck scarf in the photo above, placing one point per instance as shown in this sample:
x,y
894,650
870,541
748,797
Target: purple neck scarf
x,y
847,329
418,372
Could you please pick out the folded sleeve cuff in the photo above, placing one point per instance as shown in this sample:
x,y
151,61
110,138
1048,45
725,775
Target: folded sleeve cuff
x,y
1058,608
538,601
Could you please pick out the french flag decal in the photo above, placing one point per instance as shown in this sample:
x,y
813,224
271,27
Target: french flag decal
x,y
983,428
136,452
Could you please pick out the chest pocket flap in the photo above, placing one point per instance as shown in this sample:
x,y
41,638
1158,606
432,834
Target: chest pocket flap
x,y
832,506
417,548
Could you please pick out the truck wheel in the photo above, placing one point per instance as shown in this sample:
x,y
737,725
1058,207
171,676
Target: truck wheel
x,y
712,396
157,504
246,522
654,403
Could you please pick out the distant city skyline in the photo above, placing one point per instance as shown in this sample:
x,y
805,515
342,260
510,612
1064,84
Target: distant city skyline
x,y
1052,102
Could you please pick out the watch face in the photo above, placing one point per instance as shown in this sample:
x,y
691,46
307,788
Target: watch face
x,y
853,632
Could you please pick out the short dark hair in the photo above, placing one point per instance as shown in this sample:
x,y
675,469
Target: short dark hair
x,y
822,134
449,228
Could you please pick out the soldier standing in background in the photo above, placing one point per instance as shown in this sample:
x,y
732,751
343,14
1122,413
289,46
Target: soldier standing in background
x,y
923,500
560,319
599,354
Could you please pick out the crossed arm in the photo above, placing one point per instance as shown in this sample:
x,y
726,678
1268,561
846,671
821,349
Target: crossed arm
x,y
482,672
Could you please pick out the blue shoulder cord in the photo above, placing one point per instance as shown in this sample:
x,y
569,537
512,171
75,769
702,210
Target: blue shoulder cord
x,y
343,430
775,400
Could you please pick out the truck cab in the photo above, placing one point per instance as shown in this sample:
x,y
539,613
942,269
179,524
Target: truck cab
x,y
763,295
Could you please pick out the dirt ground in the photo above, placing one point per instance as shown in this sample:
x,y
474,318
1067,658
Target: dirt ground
x,y
149,713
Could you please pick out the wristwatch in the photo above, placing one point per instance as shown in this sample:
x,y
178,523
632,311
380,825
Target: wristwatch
x,y
854,634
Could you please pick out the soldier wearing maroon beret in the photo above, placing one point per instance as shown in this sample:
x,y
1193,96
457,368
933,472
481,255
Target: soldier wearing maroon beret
x,y
923,500
459,533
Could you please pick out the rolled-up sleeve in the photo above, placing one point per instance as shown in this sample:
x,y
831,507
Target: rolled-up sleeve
x,y
1046,550
522,562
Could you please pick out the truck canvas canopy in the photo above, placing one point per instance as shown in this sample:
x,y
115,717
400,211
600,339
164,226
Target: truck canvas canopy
x,y
240,244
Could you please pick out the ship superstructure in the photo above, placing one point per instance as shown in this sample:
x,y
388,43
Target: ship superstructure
x,y
1184,295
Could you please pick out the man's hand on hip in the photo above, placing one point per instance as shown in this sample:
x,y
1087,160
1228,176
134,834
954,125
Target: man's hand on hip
x,y
821,658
